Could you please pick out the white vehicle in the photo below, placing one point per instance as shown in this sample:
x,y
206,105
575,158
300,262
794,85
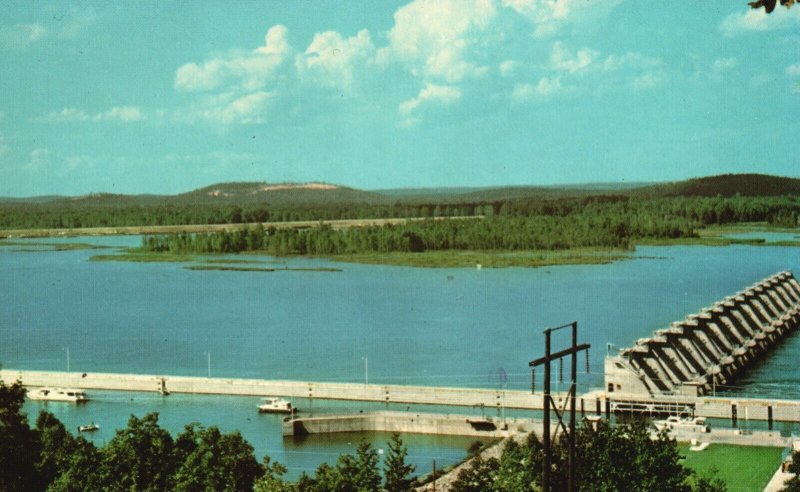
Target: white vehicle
x,y
58,394
697,424
276,405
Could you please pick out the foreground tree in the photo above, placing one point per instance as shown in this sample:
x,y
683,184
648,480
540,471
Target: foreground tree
x,y
139,457
769,5
619,459
215,461
793,485
396,472
19,444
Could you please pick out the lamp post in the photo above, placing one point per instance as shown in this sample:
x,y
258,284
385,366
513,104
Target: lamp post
x,y
208,354
366,370
67,350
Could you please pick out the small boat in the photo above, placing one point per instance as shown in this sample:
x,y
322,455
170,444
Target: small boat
x,y
276,405
88,428
58,394
697,424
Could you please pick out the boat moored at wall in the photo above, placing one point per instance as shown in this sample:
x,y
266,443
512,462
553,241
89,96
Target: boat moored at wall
x,y
58,394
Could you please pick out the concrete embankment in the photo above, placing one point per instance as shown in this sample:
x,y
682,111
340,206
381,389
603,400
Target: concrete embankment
x,y
424,395
409,422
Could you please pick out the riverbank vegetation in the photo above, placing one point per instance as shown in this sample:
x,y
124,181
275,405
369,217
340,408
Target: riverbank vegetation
x,y
570,231
144,456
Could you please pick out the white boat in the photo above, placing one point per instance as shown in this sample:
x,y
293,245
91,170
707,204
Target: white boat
x,y
58,394
276,405
697,424
88,428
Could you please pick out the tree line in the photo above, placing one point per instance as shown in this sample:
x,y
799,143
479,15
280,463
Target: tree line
x,y
661,211
607,222
144,456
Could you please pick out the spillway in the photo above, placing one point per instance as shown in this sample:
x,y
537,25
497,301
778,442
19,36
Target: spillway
x,y
711,348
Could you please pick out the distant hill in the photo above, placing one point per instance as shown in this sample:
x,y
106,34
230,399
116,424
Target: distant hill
x,y
725,185
278,194
321,194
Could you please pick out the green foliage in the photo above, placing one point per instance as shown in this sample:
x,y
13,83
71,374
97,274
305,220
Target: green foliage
x,y
19,444
139,457
213,461
793,485
622,458
478,477
352,473
396,472
272,479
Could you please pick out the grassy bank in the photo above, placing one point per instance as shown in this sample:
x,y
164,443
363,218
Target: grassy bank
x,y
470,259
145,257
740,467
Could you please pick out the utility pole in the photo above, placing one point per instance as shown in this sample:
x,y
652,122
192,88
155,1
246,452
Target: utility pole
x,y
548,403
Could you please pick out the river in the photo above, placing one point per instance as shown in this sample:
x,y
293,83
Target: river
x,y
443,327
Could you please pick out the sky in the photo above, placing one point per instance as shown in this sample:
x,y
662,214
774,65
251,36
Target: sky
x,y
166,97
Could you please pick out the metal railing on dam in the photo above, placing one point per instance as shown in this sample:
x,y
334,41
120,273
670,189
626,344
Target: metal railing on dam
x,y
708,349
423,395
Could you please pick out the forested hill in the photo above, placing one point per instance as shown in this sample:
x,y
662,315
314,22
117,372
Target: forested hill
x,y
309,194
770,198
724,185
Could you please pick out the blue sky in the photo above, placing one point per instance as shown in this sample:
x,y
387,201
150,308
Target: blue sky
x,y
146,97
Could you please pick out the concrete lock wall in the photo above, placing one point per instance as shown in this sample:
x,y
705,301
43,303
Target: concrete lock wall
x,y
468,397
407,422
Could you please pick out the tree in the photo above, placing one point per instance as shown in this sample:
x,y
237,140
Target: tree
x,y
793,485
20,446
272,479
769,5
352,473
139,457
478,477
216,462
57,449
82,471
396,472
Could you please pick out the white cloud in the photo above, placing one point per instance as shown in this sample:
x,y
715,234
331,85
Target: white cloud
x,y
547,86
435,38
647,80
631,59
73,22
724,64
125,114
65,115
122,114
549,16
228,108
38,160
508,67
20,36
250,70
757,20
333,60
562,59
432,93
793,70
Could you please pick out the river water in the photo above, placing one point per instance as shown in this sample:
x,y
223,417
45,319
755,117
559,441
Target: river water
x,y
442,327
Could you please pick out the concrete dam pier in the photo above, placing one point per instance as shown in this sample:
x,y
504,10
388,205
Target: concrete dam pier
x,y
693,357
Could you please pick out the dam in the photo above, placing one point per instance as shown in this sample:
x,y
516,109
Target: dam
x,y
695,357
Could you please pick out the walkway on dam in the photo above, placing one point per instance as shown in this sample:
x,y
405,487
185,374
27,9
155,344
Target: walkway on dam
x,y
383,393
592,403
